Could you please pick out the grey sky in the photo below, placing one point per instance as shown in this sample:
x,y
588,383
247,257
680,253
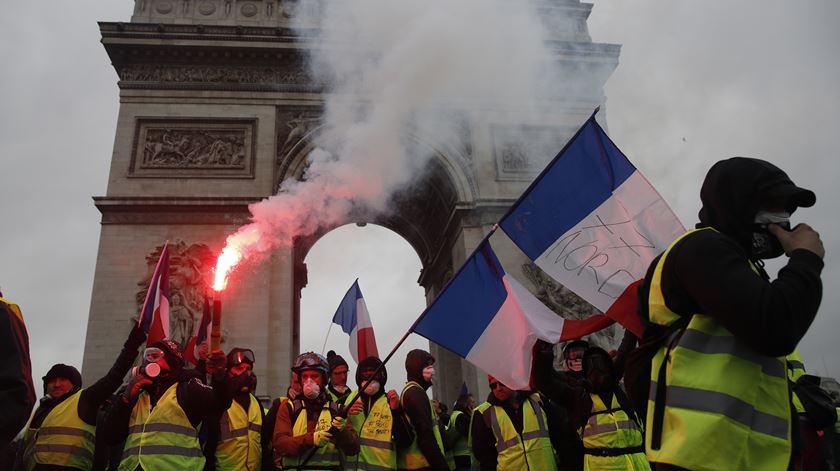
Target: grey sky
x,y
697,81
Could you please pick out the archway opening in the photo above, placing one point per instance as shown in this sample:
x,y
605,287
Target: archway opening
x,y
387,268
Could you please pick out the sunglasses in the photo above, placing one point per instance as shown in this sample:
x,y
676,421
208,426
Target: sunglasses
x,y
152,354
495,385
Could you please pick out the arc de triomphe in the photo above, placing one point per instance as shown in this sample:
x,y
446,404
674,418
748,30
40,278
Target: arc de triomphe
x,y
217,109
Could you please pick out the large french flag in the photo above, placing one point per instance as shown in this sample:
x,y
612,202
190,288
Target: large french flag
x,y
352,315
154,317
593,223
492,321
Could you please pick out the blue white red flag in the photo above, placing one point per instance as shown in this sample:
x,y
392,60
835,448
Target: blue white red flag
x,y
154,317
492,321
201,335
593,223
353,317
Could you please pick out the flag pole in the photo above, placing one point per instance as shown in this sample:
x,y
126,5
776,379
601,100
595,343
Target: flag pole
x,y
327,337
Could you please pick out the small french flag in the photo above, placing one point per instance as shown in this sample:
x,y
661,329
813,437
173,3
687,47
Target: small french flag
x,y
154,317
352,315
201,334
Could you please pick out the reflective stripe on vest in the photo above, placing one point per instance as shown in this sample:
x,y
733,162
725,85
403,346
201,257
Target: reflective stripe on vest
x,y
161,438
325,456
795,370
376,450
63,439
239,444
462,446
530,450
717,392
612,430
412,457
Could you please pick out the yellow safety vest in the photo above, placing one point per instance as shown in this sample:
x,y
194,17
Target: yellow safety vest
x,y
612,439
161,438
795,370
326,456
377,450
412,457
726,406
530,450
462,445
239,445
837,424
63,439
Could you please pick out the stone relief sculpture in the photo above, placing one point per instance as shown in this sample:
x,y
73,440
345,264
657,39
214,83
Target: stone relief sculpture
x,y
194,148
189,268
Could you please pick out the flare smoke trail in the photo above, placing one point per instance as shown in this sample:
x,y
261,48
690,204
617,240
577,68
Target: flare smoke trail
x,y
398,74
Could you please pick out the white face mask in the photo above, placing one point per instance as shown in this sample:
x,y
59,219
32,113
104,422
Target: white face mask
x,y
372,388
428,372
311,389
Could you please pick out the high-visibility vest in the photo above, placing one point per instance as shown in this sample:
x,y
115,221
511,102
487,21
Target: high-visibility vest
x,y
795,370
326,456
63,439
612,439
530,449
477,412
161,438
377,450
340,400
462,446
412,457
239,444
726,406
837,424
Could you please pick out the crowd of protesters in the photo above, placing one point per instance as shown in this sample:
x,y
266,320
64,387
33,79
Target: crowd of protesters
x,y
714,383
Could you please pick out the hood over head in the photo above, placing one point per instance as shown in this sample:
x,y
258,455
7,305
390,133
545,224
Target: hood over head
x,y
415,361
372,363
736,188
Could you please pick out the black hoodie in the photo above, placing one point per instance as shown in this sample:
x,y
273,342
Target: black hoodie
x,y
708,272
417,407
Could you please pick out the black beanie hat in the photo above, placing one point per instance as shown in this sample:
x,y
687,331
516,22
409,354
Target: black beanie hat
x,y
60,370
334,360
172,353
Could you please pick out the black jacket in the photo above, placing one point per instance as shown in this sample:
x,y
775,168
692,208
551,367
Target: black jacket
x,y
416,405
16,391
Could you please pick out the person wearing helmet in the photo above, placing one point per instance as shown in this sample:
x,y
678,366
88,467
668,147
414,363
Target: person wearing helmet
x,y
61,433
377,419
310,432
338,389
426,450
159,413
234,440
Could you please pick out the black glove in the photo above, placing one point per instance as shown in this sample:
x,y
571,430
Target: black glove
x,y
135,338
216,361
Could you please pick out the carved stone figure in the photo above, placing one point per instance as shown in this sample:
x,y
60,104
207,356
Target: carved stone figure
x,y
194,148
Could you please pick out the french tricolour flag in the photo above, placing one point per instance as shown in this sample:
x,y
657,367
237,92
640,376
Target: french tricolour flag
x,y
352,315
154,317
488,318
593,223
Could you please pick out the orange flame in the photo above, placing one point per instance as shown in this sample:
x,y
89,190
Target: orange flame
x,y
227,260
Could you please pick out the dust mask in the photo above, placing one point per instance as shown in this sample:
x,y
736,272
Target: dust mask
x,y
372,388
428,372
311,389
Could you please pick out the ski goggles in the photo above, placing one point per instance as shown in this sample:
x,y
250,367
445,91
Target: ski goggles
x,y
153,354
241,356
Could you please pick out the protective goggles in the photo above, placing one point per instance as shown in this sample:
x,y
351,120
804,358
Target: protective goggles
x,y
152,354
242,356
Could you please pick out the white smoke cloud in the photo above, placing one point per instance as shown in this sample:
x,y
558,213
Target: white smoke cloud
x,y
398,73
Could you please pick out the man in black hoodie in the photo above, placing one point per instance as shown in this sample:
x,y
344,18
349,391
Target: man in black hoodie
x,y
376,417
426,450
61,433
726,381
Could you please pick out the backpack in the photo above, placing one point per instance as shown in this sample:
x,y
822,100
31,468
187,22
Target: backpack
x,y
819,406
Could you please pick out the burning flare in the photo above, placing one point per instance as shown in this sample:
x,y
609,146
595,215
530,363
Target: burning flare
x,y
235,248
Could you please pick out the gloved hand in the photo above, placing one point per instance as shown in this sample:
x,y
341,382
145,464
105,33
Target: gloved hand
x,y
356,408
321,437
339,422
216,361
135,338
135,384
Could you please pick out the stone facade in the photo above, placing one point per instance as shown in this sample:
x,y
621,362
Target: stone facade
x,y
217,109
